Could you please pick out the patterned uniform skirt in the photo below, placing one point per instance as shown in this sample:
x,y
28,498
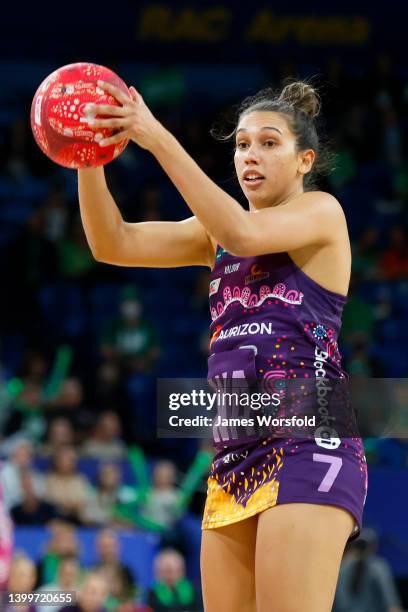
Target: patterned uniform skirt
x,y
248,479
255,474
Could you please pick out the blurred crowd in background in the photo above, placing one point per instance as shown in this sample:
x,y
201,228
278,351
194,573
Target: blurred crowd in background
x,y
82,343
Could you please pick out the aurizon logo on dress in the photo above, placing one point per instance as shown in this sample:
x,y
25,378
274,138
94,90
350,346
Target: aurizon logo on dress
x,y
244,329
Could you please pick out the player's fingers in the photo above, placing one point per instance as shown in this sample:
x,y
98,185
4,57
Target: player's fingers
x,y
105,123
136,97
119,137
104,109
115,91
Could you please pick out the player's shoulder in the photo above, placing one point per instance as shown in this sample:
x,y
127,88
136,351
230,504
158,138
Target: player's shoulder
x,y
320,202
320,207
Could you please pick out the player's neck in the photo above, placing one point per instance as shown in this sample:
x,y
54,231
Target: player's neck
x,y
279,200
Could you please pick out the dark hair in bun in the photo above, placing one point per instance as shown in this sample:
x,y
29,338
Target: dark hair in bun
x,y
300,103
301,97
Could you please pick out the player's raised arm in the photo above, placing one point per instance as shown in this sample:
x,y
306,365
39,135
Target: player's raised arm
x,y
282,228
219,213
149,244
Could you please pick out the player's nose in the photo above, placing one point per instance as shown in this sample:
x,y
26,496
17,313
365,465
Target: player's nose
x,y
252,155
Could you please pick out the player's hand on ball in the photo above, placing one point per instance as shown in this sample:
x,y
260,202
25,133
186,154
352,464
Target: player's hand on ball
x,y
132,119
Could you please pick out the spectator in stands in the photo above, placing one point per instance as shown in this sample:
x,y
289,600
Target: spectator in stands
x,y
122,589
161,500
33,510
91,596
34,368
171,591
66,488
60,433
71,394
161,508
22,580
105,442
11,474
100,508
62,543
27,416
68,575
394,263
109,394
365,581
130,339
108,555
70,403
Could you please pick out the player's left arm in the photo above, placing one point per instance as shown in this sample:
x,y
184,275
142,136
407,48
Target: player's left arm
x,y
306,220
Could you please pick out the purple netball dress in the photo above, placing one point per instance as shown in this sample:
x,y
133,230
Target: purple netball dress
x,y
273,323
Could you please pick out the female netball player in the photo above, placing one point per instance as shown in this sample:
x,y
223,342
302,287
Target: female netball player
x,y
279,511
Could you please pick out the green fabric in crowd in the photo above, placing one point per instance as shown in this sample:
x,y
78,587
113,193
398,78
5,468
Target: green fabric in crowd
x,y
182,593
74,259
357,316
50,568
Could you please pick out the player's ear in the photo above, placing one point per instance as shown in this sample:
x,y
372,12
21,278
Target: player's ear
x,y
305,160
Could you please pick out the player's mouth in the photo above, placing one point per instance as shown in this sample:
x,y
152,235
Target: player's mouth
x,y
252,179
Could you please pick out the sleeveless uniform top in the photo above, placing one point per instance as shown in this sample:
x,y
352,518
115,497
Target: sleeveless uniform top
x,y
272,324
268,303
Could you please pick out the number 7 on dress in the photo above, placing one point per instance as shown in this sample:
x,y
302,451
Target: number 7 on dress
x,y
332,473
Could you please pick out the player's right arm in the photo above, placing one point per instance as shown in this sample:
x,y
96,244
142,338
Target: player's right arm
x,y
155,244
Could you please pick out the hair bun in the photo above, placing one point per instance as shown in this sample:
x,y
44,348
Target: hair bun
x,y
302,97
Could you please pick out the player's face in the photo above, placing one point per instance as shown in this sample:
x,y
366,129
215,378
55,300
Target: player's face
x,y
266,158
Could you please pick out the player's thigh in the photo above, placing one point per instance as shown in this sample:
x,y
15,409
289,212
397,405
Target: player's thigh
x,y
228,567
298,553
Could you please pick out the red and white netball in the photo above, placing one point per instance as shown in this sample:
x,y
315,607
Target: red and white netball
x,y
58,120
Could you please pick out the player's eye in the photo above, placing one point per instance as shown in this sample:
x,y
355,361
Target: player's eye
x,y
242,145
270,143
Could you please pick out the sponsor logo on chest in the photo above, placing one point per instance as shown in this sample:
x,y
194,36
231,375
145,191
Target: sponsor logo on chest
x,y
232,268
214,286
257,274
